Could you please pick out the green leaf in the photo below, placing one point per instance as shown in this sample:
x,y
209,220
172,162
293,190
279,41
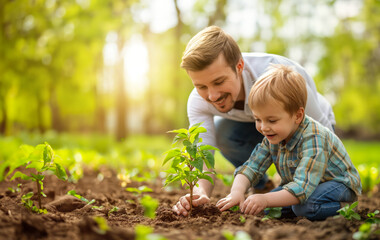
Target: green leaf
x,y
198,163
207,147
179,136
171,154
73,193
27,196
176,161
172,178
36,165
192,150
38,177
181,130
21,175
207,177
187,143
60,172
209,159
47,154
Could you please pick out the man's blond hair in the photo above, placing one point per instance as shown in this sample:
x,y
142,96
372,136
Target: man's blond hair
x,y
206,46
281,83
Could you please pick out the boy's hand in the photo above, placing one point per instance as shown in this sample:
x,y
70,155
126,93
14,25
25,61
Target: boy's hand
x,y
254,204
182,207
231,200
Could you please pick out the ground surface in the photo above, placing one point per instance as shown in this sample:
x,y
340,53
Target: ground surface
x,y
69,218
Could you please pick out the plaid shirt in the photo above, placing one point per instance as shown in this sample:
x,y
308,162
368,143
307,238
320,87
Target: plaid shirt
x,y
312,156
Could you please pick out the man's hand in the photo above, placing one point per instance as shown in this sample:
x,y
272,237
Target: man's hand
x,y
254,204
182,207
231,200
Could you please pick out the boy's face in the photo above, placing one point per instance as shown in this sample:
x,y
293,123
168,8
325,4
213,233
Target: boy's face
x,y
275,123
219,85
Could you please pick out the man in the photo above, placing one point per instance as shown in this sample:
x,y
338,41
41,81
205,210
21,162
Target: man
x,y
223,77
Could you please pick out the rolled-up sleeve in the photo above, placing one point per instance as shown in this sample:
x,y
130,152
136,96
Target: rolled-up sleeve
x,y
257,164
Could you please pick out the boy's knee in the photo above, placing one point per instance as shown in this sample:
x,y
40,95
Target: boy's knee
x,y
307,210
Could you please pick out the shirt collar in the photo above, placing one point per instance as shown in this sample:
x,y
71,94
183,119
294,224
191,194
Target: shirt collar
x,y
297,134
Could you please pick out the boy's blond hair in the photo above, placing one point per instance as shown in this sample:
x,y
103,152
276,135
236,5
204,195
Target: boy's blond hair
x,y
206,46
281,83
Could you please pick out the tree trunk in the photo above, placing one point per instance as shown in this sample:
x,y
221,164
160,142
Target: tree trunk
x,y
121,105
3,123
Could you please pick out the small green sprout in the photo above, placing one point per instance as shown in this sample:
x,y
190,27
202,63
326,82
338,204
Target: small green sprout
x,y
372,219
240,235
114,209
29,204
15,190
366,230
139,190
74,194
187,162
348,211
272,213
242,219
102,225
150,205
41,159
234,208
146,233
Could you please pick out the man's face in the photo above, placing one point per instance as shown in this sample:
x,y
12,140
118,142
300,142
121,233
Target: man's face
x,y
219,85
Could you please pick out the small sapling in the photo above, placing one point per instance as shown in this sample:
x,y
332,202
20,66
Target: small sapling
x,y
150,205
348,211
41,159
188,160
272,213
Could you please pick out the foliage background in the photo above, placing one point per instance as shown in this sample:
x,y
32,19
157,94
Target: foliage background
x,y
64,64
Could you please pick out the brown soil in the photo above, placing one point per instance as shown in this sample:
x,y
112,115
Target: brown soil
x,y
69,218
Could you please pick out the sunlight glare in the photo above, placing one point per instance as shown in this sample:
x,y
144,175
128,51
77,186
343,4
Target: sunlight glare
x,y
136,65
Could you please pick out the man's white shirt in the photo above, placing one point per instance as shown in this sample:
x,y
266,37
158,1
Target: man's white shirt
x,y
255,64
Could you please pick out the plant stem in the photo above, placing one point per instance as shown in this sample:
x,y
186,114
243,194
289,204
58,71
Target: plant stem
x,y
38,193
191,198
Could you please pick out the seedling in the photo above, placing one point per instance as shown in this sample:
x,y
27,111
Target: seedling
x,y
187,162
242,219
41,159
348,211
272,213
15,190
114,209
234,208
102,227
371,217
29,204
139,190
366,230
146,233
73,193
150,205
240,235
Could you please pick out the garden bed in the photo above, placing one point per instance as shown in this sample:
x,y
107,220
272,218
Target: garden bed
x,y
70,218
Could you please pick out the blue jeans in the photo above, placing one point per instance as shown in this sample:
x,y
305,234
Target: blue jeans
x,y
323,202
236,141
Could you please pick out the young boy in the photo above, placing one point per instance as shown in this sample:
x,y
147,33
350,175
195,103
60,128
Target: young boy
x,y
316,172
